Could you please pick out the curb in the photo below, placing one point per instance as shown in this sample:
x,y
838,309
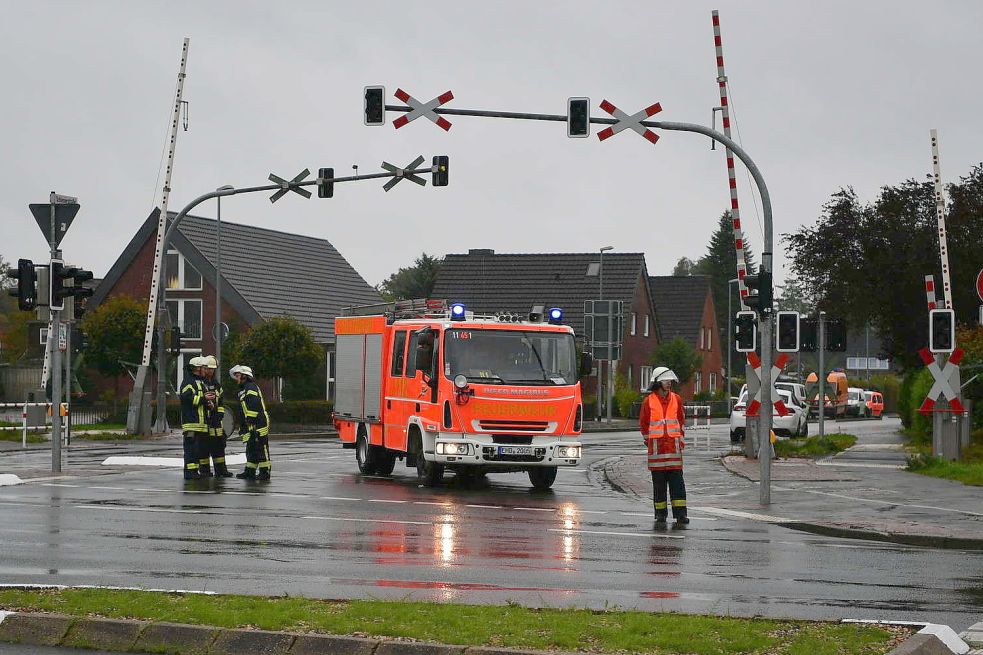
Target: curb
x,y
905,538
132,636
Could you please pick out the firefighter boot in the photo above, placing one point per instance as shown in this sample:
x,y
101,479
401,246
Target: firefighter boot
x,y
661,511
190,474
248,474
222,471
205,470
264,474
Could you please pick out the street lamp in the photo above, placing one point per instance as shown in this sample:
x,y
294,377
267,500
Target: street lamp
x,y
218,280
600,296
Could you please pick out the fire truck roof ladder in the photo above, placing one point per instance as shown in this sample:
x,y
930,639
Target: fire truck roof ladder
x,y
415,308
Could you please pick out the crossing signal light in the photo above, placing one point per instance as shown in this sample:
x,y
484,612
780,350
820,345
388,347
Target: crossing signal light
x,y
175,345
375,105
745,333
325,183
787,335
441,167
65,282
760,292
808,335
578,117
835,335
26,292
942,331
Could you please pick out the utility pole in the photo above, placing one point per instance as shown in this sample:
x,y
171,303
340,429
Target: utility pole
x,y
54,340
822,375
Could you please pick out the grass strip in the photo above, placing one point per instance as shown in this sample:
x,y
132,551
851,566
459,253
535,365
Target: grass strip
x,y
99,426
510,626
830,444
967,472
32,437
107,436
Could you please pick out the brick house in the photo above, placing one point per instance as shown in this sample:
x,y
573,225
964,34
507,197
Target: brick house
x,y
685,308
488,282
265,273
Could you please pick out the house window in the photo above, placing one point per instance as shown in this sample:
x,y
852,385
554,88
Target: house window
x,y
633,321
593,268
697,382
329,375
180,274
709,346
701,339
186,314
643,378
630,369
645,326
713,383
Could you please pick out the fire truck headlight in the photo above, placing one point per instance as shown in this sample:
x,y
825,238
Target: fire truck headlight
x,y
445,448
461,381
571,452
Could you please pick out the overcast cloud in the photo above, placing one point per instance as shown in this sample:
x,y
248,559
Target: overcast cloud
x,y
826,94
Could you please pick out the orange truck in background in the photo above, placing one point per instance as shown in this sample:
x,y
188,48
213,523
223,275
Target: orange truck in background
x,y
441,388
836,391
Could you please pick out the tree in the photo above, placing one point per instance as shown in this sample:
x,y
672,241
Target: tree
x,y
796,296
867,261
684,266
680,356
281,347
115,334
720,264
5,281
415,281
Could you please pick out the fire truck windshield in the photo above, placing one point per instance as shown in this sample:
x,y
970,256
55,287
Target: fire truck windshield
x,y
511,356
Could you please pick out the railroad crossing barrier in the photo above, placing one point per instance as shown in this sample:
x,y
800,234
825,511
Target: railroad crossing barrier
x,y
24,412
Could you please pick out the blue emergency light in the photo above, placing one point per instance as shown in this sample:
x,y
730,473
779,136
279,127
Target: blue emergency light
x,y
457,311
556,315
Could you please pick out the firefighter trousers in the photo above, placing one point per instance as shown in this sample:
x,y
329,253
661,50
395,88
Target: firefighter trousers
x,y
258,455
677,491
192,441
212,450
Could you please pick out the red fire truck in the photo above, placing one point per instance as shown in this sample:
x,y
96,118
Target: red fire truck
x,y
443,388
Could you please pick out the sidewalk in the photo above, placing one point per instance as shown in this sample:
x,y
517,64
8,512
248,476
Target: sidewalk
x,y
861,493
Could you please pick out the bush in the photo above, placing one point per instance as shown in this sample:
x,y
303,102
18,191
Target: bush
x,y
625,395
921,384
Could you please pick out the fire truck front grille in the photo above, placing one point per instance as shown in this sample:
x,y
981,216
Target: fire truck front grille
x,y
512,439
513,426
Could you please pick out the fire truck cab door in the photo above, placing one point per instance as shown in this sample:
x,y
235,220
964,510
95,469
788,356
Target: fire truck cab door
x,y
396,390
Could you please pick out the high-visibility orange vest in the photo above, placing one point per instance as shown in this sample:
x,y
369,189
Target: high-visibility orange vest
x,y
665,434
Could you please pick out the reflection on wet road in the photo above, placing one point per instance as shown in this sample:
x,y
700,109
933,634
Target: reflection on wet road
x,y
322,530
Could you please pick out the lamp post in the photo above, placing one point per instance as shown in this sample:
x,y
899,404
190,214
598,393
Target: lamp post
x,y
600,296
218,279
730,335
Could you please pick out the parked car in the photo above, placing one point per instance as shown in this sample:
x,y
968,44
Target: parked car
x,y
835,390
798,391
856,404
874,404
794,424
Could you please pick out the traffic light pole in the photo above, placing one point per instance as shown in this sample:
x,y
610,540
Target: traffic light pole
x,y
53,337
765,423
821,399
143,370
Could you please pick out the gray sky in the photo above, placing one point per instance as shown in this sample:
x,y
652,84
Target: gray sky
x,y
825,93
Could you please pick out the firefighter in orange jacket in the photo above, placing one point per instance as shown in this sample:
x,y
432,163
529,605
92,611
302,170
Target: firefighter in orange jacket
x,y
662,419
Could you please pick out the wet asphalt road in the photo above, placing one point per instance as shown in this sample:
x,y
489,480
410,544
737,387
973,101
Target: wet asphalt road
x,y
322,530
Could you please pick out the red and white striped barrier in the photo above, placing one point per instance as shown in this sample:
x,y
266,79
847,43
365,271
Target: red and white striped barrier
x,y
940,216
626,122
735,211
423,109
930,292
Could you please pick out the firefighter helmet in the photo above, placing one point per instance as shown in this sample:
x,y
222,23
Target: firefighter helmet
x,y
661,374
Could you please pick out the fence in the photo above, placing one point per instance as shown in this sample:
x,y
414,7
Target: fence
x,y
694,429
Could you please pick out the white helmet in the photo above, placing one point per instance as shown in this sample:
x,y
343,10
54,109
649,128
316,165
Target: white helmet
x,y
210,362
239,368
196,362
661,374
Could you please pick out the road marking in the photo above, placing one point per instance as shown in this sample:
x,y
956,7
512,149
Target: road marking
x,y
536,509
649,515
7,479
486,506
427,502
885,502
109,488
141,509
743,515
861,465
341,518
382,500
337,498
617,534
60,484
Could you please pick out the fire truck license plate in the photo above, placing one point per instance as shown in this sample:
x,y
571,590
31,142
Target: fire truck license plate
x,y
515,450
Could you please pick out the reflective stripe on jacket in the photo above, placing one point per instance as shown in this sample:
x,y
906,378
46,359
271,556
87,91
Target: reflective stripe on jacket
x,y
193,405
662,428
254,408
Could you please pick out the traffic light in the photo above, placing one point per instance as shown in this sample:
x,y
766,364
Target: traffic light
x,y
441,166
787,335
80,340
578,117
325,183
941,330
745,333
808,335
759,290
175,347
65,282
26,294
835,335
375,105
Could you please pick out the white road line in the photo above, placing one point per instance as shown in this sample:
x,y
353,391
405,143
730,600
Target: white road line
x,y
536,509
427,502
337,498
486,506
60,484
743,515
141,509
861,465
618,534
341,518
108,488
383,500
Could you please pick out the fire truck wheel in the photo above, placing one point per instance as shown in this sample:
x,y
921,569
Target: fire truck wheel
x,y
385,462
365,454
429,474
542,477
